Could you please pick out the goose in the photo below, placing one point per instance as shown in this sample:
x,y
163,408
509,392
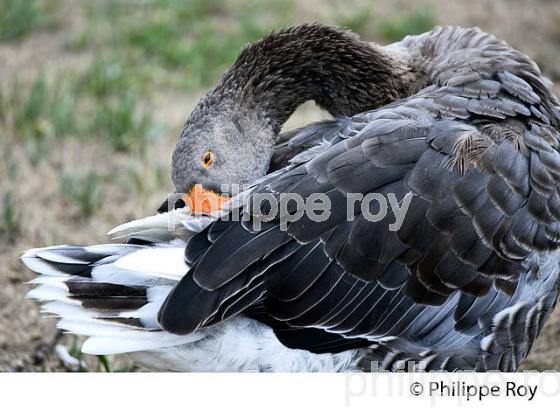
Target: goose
x,y
456,119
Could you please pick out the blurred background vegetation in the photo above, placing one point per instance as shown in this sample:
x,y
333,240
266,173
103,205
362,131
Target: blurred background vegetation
x,y
93,94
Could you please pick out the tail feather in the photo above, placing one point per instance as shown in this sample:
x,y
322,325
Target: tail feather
x,y
109,293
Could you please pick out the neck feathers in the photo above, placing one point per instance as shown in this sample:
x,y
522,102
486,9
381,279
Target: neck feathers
x,y
334,68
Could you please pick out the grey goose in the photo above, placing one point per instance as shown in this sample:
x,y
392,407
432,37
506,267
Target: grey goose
x,y
457,118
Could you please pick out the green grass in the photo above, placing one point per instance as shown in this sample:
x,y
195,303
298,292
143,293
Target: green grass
x,y
62,112
47,109
185,42
100,104
10,164
402,24
20,17
32,107
104,363
39,115
84,190
3,106
151,46
145,47
10,228
105,76
359,21
75,350
119,122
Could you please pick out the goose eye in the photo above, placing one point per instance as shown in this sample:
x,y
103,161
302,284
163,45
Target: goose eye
x,y
207,159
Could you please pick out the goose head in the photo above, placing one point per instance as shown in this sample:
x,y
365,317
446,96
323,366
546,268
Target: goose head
x,y
222,147
229,138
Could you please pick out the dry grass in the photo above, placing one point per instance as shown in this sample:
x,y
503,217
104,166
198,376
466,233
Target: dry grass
x,y
93,96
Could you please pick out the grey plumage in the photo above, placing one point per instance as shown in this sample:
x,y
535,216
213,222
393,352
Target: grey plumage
x,y
476,144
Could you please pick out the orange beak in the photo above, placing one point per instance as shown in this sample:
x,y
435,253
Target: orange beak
x,y
201,200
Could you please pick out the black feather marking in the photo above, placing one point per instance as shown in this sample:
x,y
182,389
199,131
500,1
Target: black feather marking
x,y
198,244
289,280
366,297
188,305
296,308
220,264
305,230
111,303
88,289
344,295
317,341
453,272
420,294
394,276
426,268
77,269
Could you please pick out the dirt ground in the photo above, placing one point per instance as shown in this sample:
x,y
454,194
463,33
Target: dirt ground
x,y
26,340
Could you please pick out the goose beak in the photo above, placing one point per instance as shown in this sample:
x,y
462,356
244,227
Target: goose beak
x,y
202,200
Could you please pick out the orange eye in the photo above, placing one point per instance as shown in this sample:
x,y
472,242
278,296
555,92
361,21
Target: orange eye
x,y
207,159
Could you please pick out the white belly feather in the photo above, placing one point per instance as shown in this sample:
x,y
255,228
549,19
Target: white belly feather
x,y
243,345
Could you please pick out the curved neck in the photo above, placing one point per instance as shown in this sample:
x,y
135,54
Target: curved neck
x,y
339,72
